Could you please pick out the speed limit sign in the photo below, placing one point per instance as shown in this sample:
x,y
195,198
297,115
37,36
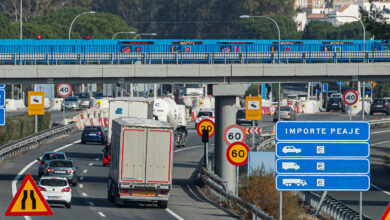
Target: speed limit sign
x,y
206,124
234,133
350,97
237,153
64,90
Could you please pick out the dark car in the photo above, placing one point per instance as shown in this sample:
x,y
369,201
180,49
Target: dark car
x,y
62,168
380,105
335,104
93,134
46,158
240,118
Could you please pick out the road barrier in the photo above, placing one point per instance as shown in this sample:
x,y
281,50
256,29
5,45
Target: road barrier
x,y
19,146
218,187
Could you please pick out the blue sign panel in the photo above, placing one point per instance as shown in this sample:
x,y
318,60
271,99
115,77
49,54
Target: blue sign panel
x,y
312,149
2,86
325,87
322,166
2,97
322,183
322,156
2,116
340,83
323,131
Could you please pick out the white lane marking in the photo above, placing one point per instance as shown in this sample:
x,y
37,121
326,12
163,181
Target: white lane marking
x,y
378,132
81,185
102,214
378,188
81,178
188,148
84,194
17,177
97,158
91,204
174,214
383,142
90,164
85,171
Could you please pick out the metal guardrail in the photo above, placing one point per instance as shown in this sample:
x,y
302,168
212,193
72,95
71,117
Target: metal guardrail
x,y
11,149
218,187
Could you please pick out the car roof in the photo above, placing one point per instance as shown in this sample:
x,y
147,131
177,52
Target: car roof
x,y
53,178
61,160
53,152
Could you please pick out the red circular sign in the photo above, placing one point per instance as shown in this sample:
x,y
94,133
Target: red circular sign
x,y
206,124
234,133
238,153
350,97
64,90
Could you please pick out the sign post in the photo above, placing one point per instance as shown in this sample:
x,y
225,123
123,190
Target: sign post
x,y
2,104
237,154
64,90
36,105
253,106
206,129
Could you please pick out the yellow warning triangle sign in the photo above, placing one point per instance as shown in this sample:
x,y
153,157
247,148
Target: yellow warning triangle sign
x,y
28,200
386,214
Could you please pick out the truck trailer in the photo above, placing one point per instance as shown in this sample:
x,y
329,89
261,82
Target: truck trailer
x,y
141,161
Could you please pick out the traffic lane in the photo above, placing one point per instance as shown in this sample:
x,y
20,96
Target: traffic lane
x,y
11,168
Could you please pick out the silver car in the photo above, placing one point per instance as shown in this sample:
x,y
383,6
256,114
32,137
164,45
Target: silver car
x,y
286,113
85,100
46,158
71,102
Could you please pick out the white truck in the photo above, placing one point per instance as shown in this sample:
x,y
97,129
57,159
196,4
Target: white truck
x,y
129,107
298,182
168,111
141,161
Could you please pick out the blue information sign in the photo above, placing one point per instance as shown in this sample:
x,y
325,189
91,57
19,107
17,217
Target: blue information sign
x,y
2,86
340,83
322,156
2,104
2,97
2,116
325,87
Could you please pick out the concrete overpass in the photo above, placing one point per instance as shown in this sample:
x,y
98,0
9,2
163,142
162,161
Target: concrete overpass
x,y
202,73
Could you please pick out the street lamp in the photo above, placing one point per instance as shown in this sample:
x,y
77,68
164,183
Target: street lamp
x,y
145,34
21,19
70,28
364,28
131,32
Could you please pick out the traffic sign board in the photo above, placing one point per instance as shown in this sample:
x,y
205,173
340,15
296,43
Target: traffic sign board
x,y
28,200
206,124
340,83
253,130
36,103
322,166
386,214
64,90
253,108
237,153
325,87
2,116
322,182
2,86
350,97
234,133
2,97
323,131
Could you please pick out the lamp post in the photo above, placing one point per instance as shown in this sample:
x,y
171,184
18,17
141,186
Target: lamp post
x,y
70,28
145,34
21,19
364,28
113,36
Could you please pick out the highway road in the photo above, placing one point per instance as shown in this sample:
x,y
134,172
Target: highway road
x,y
89,197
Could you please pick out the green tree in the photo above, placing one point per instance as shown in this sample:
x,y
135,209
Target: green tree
x,y
252,90
375,23
318,30
382,89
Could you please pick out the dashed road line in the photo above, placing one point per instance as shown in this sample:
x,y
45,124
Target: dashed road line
x,y
85,171
383,142
91,204
97,158
84,194
90,164
102,214
81,186
81,178
380,189
174,214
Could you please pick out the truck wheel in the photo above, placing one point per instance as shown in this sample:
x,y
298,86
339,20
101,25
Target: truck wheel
x,y
162,204
110,197
68,205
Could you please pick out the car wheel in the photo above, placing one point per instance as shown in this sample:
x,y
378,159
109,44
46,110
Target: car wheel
x,y
327,110
110,197
275,120
162,204
68,205
371,113
74,183
83,142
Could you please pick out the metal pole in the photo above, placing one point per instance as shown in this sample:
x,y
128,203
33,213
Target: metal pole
x,y
280,205
321,201
364,91
21,20
237,180
279,103
63,112
71,24
361,206
155,90
36,123
253,133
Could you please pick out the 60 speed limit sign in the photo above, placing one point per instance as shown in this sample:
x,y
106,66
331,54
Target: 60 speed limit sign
x,y
234,133
237,153
64,90
350,97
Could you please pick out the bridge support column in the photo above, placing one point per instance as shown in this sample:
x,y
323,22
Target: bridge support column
x,y
225,115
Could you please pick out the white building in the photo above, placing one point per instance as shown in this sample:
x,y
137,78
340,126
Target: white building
x,y
301,20
346,10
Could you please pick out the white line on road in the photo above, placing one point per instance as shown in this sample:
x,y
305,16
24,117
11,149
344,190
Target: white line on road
x,y
188,148
380,189
378,132
97,158
90,164
84,194
91,204
101,214
17,177
174,214
81,185
85,171
383,142
81,178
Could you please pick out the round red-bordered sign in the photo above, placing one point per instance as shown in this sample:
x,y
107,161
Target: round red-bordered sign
x,y
234,133
237,153
64,90
350,97
207,124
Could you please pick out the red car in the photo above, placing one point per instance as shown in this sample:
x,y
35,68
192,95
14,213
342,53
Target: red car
x,y
106,155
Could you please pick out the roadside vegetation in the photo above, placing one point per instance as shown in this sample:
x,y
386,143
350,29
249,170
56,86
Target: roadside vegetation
x,y
21,126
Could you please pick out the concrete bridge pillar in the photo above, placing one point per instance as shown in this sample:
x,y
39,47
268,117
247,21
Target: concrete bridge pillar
x,y
225,115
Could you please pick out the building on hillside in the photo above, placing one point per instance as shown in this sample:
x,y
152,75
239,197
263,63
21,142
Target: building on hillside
x,y
301,20
343,12
310,3
317,17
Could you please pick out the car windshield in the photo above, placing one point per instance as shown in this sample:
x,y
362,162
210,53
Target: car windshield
x,y
379,101
336,100
240,114
71,99
52,182
209,114
285,108
61,164
54,156
92,129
